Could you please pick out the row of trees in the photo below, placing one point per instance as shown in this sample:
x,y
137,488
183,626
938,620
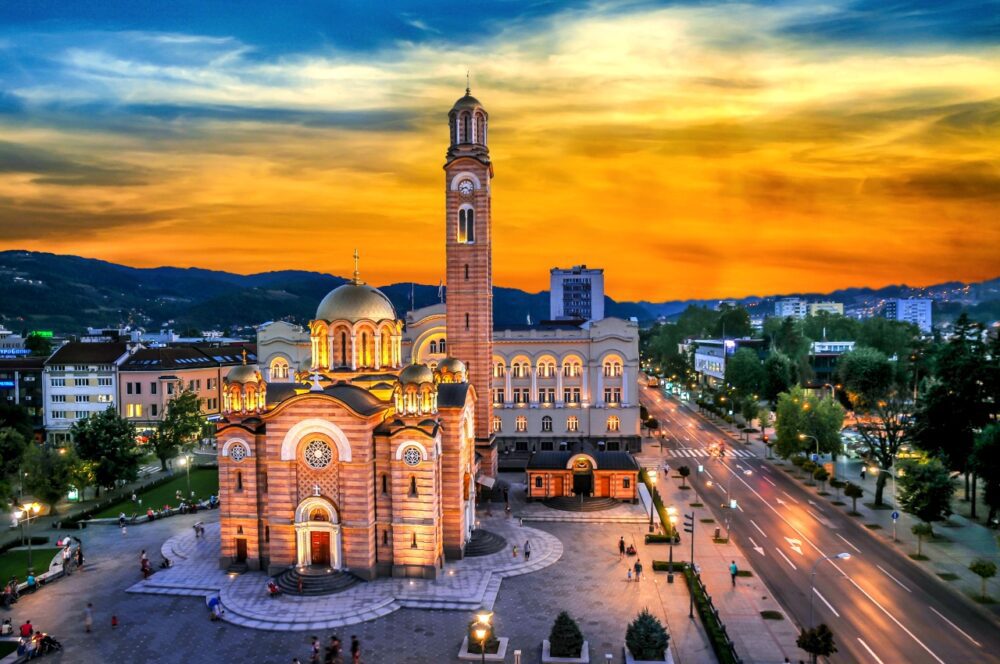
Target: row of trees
x,y
104,454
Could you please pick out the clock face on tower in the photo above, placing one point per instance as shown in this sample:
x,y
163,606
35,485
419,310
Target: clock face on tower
x,y
465,187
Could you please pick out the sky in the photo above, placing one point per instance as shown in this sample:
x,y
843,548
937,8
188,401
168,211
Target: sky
x,y
692,149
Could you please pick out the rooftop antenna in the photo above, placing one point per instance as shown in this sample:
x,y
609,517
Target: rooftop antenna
x,y
357,273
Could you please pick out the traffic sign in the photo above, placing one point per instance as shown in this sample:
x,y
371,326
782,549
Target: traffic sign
x,y
895,515
814,456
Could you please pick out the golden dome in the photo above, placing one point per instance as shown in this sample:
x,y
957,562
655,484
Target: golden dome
x,y
452,365
355,301
243,373
416,374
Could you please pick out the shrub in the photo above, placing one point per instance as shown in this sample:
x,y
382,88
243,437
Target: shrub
x,y
646,637
984,569
684,471
658,538
565,639
853,491
921,530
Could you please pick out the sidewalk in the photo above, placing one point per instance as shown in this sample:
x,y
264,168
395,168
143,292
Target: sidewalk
x,y
957,541
757,640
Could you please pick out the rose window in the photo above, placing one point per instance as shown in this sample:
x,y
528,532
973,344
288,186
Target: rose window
x,y
411,456
318,454
238,452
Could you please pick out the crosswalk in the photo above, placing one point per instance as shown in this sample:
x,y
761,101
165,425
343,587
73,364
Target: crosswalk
x,y
691,452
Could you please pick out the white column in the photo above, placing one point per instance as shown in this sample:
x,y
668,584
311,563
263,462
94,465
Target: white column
x,y
329,349
354,350
533,398
315,352
625,380
559,387
378,350
599,399
508,394
584,385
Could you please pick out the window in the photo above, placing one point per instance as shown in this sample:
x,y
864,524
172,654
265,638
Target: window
x,y
138,388
58,382
152,410
613,368
499,370
614,423
104,382
413,487
612,394
466,272
467,225
433,348
239,480
547,446
442,346
571,394
572,423
538,481
521,424
82,414
385,538
128,388
267,533
317,455
104,398
170,388
238,452
411,456
547,394
627,483
152,387
571,369
498,395
467,321
385,483
521,394
413,541
497,424
279,370
58,414
546,423
58,398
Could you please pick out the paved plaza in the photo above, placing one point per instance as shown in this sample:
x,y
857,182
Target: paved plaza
x,y
587,579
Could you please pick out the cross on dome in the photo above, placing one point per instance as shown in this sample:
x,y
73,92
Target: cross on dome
x,y
357,272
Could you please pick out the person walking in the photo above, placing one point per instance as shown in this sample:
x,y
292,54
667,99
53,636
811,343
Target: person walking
x,y
733,569
638,569
79,557
527,550
314,650
621,548
88,617
355,650
862,472
628,573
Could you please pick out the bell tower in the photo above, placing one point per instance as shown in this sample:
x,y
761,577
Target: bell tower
x,y
468,238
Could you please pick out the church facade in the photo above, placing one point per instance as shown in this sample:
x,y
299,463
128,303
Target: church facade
x,y
337,454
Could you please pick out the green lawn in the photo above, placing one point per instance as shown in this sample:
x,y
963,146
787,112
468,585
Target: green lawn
x,y
15,563
7,647
204,482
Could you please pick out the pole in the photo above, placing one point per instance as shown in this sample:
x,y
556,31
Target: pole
x,y
670,568
482,649
31,565
187,464
691,594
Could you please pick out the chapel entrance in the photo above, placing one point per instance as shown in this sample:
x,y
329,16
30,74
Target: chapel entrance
x,y
583,476
319,548
241,550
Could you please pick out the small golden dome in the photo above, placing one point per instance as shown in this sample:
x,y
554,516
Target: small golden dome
x,y
243,373
452,365
416,374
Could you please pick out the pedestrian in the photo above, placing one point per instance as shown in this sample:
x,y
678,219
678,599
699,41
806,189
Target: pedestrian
x,y
515,550
621,548
527,550
79,557
628,573
114,621
142,557
124,531
27,629
862,472
333,651
732,572
638,569
88,617
314,650
134,497
121,519
355,650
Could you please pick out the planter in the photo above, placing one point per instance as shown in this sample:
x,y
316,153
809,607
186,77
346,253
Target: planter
x,y
584,657
498,656
629,659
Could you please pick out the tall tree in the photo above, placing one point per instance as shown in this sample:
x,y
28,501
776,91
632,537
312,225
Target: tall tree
x,y
925,490
48,473
880,414
779,375
12,449
38,345
893,338
832,327
745,372
180,428
733,322
108,441
818,641
986,463
17,417
800,418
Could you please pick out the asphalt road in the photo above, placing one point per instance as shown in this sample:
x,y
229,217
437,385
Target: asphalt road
x,y
880,606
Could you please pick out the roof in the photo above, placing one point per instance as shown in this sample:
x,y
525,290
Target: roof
x,y
171,357
357,399
542,325
452,395
78,352
354,302
26,362
604,460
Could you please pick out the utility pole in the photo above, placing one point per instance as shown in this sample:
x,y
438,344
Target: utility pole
x,y
689,528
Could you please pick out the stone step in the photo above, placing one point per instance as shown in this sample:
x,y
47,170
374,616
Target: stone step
x,y
586,504
484,543
315,584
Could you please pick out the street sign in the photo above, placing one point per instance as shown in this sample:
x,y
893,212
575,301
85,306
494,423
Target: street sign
x,y
814,457
701,468
895,515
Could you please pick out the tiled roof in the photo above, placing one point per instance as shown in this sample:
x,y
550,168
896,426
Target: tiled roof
x,y
604,460
452,395
77,352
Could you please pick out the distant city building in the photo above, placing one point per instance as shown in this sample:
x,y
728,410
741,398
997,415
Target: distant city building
x,y
21,385
726,303
11,344
838,347
916,311
836,308
823,359
791,307
710,355
576,293
79,380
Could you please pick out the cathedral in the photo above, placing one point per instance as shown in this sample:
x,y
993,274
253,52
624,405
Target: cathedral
x,y
361,462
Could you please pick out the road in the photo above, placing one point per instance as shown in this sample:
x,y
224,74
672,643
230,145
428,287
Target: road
x,y
881,607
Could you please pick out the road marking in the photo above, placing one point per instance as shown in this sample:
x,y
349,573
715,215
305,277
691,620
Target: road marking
x,y
790,498
894,579
814,515
870,651
769,481
709,473
847,542
828,605
779,501
785,557
957,627
795,544
758,528
758,549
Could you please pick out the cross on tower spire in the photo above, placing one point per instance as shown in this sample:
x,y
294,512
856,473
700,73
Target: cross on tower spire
x,y
357,273
244,356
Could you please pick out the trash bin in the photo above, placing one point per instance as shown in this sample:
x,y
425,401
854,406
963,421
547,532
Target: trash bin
x,y
718,533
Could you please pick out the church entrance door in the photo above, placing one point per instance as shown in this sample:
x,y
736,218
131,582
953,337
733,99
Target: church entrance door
x,y
241,550
319,547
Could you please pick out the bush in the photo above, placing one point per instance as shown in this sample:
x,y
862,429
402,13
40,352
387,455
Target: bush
x,y
658,539
646,637
565,639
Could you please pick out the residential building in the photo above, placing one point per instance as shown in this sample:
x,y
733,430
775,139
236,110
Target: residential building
x,y
913,310
21,385
835,308
79,380
823,359
791,307
576,293
710,355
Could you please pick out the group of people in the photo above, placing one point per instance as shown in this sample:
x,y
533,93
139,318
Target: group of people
x,y
625,550
527,550
334,653
33,643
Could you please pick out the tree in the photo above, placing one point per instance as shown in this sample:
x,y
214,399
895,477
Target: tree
x,y
921,530
652,424
892,338
925,490
800,418
38,345
837,485
779,375
646,637
108,441
17,417
48,471
733,322
853,491
683,471
180,427
12,447
565,639
984,569
872,387
745,372
821,475
817,641
986,463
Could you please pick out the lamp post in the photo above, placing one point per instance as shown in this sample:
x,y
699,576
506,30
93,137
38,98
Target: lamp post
x,y
652,498
186,462
27,513
812,577
878,469
672,517
482,630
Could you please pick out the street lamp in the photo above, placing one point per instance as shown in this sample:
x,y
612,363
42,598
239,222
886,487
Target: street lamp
x,y
186,462
482,630
812,588
672,517
28,513
878,469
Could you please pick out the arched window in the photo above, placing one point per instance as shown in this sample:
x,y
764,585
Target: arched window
x,y
467,225
480,129
521,424
413,486
343,348
612,368
279,369
497,424
385,538
467,128
433,347
239,480
364,349
319,514
442,346
499,370
614,423
573,423
546,423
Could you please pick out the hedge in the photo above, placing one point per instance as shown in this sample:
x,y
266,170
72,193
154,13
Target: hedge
x,y
716,631
657,501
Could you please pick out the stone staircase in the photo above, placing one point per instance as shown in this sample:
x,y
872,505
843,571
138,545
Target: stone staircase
x,y
315,583
584,504
484,543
